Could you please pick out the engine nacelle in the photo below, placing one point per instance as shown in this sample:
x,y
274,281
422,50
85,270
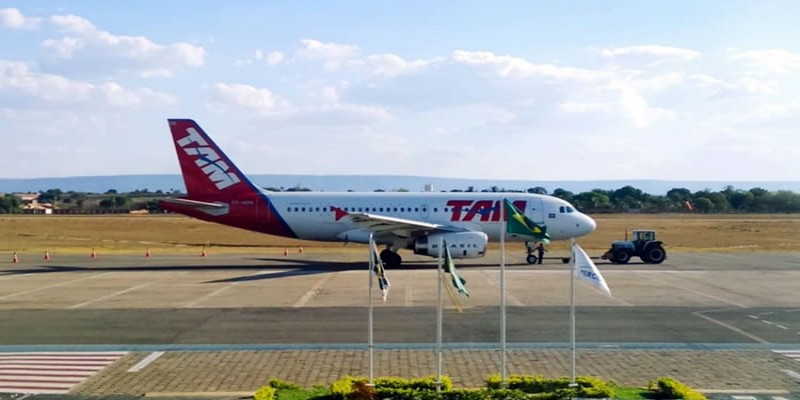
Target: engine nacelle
x,y
461,244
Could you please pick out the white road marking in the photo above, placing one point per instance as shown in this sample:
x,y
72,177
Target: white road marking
x,y
146,361
8,296
193,304
731,327
509,297
112,295
697,292
57,372
792,374
315,290
753,317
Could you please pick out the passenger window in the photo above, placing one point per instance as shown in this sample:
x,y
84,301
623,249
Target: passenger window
x,y
416,209
424,209
296,209
289,209
324,209
395,209
435,209
381,209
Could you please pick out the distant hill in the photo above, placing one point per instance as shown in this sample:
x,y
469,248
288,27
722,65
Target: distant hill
x,y
331,183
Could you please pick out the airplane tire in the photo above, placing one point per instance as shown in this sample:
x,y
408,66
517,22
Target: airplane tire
x,y
390,258
532,259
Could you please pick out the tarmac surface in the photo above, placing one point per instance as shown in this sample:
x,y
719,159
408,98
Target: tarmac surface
x,y
229,323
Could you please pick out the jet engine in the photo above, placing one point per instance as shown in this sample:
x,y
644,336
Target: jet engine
x,y
461,244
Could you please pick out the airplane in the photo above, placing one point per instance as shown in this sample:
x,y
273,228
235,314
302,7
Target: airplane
x,y
217,191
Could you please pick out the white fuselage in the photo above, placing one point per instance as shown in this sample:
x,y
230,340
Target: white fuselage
x,y
310,214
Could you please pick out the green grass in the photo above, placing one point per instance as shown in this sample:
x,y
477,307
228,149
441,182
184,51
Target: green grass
x,y
632,393
317,392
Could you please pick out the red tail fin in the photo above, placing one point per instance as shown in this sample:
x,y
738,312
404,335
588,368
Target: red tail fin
x,y
206,169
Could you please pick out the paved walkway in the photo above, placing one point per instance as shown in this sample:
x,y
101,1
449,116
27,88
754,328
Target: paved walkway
x,y
243,371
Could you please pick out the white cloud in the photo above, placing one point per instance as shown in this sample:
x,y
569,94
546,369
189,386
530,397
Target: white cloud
x,y
639,111
275,58
12,18
333,55
581,107
90,50
738,87
771,60
261,100
18,81
509,66
391,65
650,54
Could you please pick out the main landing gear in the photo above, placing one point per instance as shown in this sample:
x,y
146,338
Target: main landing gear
x,y
390,258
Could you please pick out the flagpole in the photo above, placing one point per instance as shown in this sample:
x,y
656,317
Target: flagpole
x,y
439,319
371,344
503,228
572,311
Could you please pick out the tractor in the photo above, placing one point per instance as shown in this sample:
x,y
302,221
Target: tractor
x,y
644,245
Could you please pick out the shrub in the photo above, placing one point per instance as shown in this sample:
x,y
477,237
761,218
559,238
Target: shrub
x,y
428,383
265,393
281,384
344,386
588,387
669,388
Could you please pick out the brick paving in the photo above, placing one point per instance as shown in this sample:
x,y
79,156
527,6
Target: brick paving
x,y
242,371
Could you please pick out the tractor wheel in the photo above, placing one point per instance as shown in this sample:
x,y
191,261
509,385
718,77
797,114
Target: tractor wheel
x,y
532,259
622,257
654,255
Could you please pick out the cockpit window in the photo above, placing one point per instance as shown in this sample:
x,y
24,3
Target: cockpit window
x,y
570,209
561,209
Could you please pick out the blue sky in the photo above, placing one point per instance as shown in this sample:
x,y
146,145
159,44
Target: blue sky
x,y
531,90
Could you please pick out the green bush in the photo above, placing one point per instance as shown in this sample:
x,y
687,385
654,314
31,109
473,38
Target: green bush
x,y
669,388
264,393
281,384
344,385
428,383
588,387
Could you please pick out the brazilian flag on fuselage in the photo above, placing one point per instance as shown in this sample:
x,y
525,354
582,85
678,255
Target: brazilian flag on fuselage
x,y
520,224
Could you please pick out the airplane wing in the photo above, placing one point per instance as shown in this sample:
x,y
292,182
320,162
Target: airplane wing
x,y
209,208
381,224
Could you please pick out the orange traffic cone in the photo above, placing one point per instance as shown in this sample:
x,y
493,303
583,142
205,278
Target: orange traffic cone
x,y
147,253
203,252
94,253
46,255
15,259
285,251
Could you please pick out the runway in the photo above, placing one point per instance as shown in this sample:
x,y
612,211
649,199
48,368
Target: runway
x,y
710,303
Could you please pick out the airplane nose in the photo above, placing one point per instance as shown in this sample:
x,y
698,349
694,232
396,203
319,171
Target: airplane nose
x,y
588,224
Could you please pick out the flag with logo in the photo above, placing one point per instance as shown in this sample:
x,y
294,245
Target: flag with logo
x,y
587,271
380,273
519,224
450,267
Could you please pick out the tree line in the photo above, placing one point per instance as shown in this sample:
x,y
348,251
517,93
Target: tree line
x,y
624,199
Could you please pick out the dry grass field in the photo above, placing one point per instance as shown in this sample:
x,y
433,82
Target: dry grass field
x,y
172,234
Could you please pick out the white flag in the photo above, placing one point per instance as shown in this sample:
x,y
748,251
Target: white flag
x,y
586,270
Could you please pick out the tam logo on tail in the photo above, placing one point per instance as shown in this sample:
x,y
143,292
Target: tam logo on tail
x,y
216,169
